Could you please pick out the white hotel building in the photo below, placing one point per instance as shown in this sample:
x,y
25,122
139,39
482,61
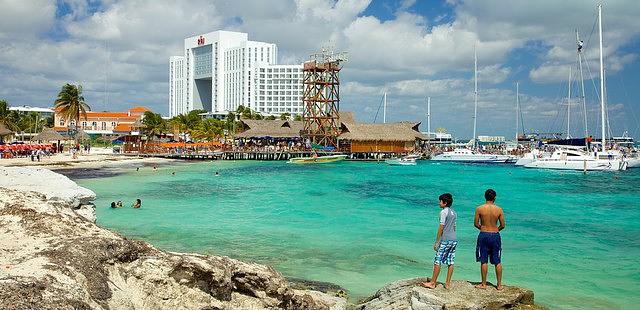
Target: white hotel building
x,y
222,70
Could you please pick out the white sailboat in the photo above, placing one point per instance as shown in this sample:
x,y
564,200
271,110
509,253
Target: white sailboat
x,y
467,155
567,158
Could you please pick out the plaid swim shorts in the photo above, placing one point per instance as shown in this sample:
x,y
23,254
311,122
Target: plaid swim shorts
x,y
446,253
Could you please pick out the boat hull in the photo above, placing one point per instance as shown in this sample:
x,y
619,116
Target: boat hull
x,y
317,160
578,165
400,162
476,158
633,163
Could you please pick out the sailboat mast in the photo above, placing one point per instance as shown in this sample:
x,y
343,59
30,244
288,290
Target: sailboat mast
x,y
475,93
429,115
384,110
569,105
602,110
584,98
517,110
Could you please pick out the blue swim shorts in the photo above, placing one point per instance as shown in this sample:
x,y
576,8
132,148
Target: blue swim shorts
x,y
489,247
446,253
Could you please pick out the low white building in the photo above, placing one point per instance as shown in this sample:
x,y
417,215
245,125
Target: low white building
x,y
25,109
220,71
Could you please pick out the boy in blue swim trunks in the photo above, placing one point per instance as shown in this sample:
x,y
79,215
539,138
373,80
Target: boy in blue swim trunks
x,y
489,245
446,242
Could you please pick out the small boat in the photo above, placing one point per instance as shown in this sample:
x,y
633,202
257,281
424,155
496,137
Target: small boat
x,y
317,159
403,161
469,156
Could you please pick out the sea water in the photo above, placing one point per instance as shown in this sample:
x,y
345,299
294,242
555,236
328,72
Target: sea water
x,y
572,238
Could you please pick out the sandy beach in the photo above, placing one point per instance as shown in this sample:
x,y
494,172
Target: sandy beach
x,y
96,159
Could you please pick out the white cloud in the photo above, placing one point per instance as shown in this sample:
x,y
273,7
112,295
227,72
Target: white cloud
x,y
20,19
408,55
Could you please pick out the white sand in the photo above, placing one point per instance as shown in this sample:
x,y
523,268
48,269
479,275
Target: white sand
x,y
97,158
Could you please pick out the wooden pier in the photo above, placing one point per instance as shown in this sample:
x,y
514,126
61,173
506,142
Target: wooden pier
x,y
265,156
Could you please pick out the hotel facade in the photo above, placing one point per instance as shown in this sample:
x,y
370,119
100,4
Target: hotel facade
x,y
102,122
222,70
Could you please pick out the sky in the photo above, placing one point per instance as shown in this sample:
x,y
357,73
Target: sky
x,y
411,49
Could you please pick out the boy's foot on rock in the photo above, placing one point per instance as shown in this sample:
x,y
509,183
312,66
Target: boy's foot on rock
x,y
482,286
428,285
447,285
499,287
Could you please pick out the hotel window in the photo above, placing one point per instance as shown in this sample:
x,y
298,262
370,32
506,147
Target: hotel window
x,y
84,125
104,125
94,125
61,122
113,124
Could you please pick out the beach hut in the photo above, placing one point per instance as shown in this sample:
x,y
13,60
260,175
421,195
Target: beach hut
x,y
5,133
396,138
81,135
47,135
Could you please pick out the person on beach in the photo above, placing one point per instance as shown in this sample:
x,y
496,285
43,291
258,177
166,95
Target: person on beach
x,y
446,242
137,204
489,244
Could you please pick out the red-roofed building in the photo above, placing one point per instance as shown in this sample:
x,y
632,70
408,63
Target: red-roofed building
x,y
104,122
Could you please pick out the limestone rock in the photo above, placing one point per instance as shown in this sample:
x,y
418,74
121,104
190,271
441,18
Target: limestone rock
x,y
51,258
54,186
408,294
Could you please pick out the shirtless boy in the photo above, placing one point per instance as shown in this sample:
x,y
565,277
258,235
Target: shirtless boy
x,y
489,245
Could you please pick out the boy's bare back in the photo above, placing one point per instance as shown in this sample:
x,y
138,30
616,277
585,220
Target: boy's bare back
x,y
487,216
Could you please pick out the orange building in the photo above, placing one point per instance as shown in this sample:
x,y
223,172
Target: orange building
x,y
103,122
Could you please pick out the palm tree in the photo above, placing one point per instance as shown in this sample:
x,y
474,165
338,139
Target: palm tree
x,y
154,124
187,123
71,104
209,130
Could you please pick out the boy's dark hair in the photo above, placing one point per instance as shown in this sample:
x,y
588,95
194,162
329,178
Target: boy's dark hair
x,y
490,195
447,199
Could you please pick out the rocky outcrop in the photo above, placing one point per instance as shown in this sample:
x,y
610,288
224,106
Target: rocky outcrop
x,y
408,294
53,258
54,186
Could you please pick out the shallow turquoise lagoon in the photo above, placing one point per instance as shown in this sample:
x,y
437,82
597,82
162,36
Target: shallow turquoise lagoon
x,y
574,239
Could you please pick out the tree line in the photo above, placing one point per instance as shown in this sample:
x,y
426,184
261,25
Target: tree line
x,y
71,105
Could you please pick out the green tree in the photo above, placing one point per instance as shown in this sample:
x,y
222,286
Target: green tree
x,y
154,124
7,117
209,130
186,123
298,118
30,123
71,103
257,116
285,116
230,122
271,118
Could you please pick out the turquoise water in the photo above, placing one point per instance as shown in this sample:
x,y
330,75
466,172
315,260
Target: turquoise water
x,y
574,239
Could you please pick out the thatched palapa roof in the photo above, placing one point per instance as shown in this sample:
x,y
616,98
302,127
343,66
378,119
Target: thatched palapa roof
x,y
270,129
48,134
403,131
4,131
